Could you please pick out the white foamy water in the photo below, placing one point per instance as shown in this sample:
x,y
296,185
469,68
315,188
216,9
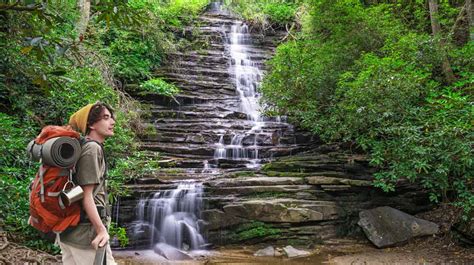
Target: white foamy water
x,y
247,80
172,217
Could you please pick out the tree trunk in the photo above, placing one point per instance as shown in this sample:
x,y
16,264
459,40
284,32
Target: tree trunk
x,y
461,29
436,28
84,7
469,10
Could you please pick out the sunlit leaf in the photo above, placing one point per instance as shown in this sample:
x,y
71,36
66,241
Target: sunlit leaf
x,y
26,50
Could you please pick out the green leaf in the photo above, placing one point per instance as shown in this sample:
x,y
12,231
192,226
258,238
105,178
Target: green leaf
x,y
26,50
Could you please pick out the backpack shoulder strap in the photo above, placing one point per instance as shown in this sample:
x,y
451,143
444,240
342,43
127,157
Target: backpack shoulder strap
x,y
96,190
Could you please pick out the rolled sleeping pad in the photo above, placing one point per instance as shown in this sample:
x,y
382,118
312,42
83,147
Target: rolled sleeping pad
x,y
34,150
57,152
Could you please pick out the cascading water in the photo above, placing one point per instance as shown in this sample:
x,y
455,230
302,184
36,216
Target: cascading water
x,y
171,217
247,80
247,75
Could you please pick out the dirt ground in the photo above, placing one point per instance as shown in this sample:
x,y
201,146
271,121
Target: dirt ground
x,y
428,250
12,253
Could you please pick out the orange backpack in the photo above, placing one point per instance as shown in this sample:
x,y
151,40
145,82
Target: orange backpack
x,y
47,212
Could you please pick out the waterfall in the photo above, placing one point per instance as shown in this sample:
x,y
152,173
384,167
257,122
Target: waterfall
x,y
247,75
171,217
247,78
221,95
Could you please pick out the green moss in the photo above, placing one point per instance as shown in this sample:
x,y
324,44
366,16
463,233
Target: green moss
x,y
269,194
254,230
286,174
284,166
242,174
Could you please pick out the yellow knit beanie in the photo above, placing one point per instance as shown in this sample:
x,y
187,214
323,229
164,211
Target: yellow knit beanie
x,y
78,120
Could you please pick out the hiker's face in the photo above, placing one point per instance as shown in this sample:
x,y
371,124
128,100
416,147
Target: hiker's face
x,y
105,126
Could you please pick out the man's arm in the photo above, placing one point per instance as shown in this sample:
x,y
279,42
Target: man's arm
x,y
90,208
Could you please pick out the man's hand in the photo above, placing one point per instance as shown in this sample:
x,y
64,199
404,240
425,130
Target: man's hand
x,y
100,240
90,208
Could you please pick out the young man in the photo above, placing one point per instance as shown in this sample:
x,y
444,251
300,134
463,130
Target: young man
x,y
79,244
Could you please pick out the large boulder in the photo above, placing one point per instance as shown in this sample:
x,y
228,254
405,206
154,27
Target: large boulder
x,y
386,226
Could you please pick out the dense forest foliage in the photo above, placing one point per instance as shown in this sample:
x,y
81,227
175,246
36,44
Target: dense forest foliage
x,y
392,78
57,56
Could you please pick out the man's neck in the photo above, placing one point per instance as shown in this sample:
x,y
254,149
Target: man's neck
x,y
94,136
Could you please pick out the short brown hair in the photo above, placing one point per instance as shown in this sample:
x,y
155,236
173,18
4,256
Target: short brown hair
x,y
94,114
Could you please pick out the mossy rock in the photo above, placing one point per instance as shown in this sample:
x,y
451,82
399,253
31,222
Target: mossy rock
x,y
303,166
253,230
242,174
286,174
269,194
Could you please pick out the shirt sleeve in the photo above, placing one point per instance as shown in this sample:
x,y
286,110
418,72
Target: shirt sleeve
x,y
88,165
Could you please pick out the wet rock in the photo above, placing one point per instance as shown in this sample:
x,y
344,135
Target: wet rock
x,y
256,181
287,191
265,252
324,180
196,138
292,252
386,226
276,211
170,252
216,219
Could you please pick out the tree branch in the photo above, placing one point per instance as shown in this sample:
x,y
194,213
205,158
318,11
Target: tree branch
x,y
15,7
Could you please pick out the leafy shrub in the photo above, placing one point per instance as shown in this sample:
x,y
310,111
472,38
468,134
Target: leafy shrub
x,y
159,86
120,233
356,73
262,13
44,84
280,13
135,51
254,230
16,174
131,54
179,12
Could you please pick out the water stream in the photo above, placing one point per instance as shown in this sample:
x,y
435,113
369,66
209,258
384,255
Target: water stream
x,y
171,217
247,78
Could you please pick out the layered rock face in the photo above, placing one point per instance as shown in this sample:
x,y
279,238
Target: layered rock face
x,y
309,191
308,197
